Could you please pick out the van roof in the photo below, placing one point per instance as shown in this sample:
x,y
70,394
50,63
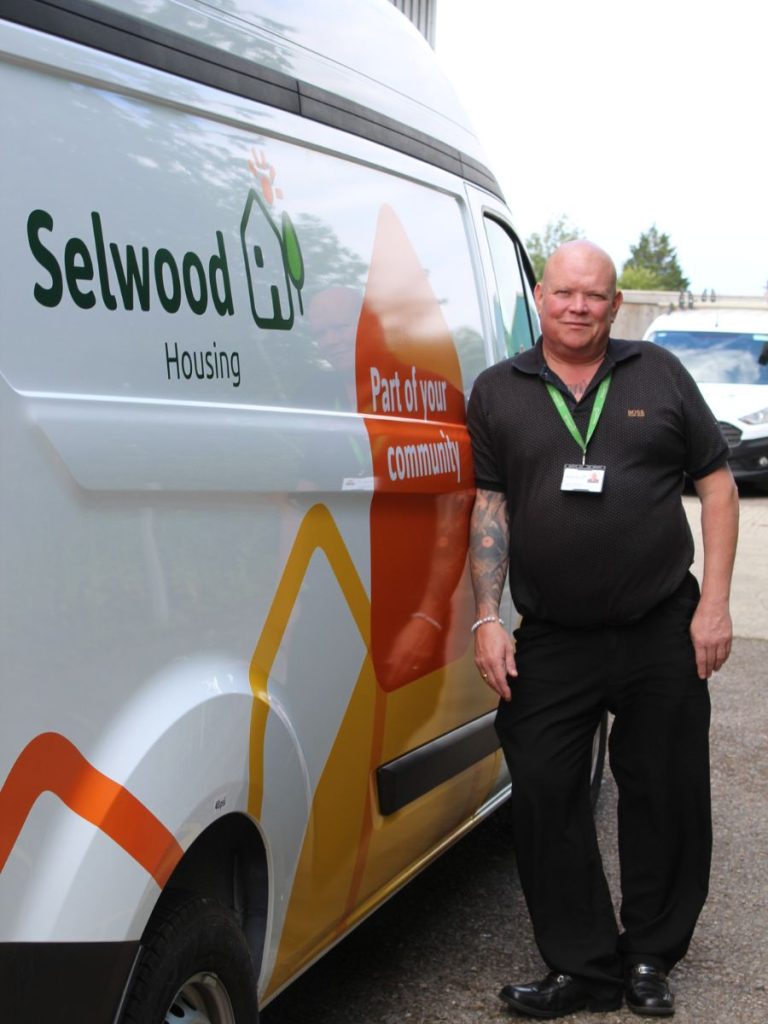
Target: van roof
x,y
364,49
742,321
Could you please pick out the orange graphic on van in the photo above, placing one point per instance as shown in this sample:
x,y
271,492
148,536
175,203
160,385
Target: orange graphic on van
x,y
265,174
51,763
409,387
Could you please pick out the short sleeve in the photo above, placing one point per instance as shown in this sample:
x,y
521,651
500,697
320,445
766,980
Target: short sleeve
x,y
488,474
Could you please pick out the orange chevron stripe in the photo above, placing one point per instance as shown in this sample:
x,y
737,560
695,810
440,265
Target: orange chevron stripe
x,y
51,763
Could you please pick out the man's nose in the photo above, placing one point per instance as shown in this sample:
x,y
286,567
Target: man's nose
x,y
579,302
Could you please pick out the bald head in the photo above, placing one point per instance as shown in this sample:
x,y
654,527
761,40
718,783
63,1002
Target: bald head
x,y
582,256
577,302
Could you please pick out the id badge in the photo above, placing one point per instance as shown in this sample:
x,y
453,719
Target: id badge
x,y
583,478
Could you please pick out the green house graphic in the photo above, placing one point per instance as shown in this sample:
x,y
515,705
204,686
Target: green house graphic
x,y
273,264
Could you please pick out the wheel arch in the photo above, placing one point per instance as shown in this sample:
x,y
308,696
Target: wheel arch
x,y
228,862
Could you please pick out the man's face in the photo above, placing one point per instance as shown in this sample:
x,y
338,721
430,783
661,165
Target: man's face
x,y
577,300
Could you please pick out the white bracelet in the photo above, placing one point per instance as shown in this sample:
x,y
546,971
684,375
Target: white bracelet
x,y
427,618
481,622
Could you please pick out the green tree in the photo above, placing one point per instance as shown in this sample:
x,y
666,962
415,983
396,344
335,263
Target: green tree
x,y
641,279
653,264
541,247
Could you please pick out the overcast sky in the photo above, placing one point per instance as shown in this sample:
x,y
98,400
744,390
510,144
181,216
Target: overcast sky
x,y
621,115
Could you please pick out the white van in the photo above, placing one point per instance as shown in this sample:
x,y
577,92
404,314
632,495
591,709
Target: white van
x,y
251,262
726,352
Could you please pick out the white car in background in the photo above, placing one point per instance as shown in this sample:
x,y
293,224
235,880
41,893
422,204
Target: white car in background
x,y
726,352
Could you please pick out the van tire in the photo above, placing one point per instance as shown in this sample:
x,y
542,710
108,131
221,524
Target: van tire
x,y
194,966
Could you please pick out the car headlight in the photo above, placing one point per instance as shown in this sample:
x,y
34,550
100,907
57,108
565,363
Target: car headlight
x,y
761,416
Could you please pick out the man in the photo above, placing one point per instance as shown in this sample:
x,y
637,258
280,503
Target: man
x,y
581,445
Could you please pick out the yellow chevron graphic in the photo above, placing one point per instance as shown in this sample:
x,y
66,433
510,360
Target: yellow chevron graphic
x,y
334,833
339,871
317,530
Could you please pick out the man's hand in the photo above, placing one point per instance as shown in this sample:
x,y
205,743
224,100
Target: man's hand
x,y
711,630
495,657
711,633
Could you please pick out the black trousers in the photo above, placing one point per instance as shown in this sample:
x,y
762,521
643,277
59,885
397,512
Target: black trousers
x,y
645,674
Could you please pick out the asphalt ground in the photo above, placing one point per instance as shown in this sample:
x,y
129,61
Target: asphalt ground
x,y
440,950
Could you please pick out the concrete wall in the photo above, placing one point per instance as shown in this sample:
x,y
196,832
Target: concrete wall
x,y
641,308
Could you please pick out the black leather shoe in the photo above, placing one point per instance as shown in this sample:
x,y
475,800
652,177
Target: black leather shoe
x,y
554,996
648,991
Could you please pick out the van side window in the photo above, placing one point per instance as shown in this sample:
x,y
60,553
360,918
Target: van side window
x,y
516,320
395,253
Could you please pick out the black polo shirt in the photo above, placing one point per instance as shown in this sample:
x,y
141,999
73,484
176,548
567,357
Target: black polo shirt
x,y
583,559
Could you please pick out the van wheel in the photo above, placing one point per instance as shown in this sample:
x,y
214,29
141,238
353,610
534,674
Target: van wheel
x,y
194,967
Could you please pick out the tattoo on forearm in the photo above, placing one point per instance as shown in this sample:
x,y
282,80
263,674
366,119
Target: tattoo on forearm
x,y
489,549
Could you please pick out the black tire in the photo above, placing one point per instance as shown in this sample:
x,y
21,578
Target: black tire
x,y
194,967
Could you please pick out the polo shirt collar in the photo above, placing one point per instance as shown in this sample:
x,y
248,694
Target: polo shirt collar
x,y
531,361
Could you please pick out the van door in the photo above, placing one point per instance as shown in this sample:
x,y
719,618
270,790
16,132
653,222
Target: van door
x,y
414,759
508,275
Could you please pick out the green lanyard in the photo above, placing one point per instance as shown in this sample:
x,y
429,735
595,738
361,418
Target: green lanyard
x,y
565,414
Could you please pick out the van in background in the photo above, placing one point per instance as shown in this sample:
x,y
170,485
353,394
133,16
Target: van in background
x,y
726,352
251,262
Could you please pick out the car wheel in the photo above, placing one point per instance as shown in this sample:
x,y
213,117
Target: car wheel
x,y
194,968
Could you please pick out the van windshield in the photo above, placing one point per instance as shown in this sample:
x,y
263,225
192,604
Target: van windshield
x,y
715,357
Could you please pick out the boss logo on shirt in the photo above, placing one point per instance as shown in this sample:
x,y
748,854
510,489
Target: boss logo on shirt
x,y
636,413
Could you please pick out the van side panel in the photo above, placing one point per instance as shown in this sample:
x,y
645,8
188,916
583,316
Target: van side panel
x,y
234,362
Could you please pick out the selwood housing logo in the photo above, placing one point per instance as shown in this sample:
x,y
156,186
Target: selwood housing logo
x,y
94,271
